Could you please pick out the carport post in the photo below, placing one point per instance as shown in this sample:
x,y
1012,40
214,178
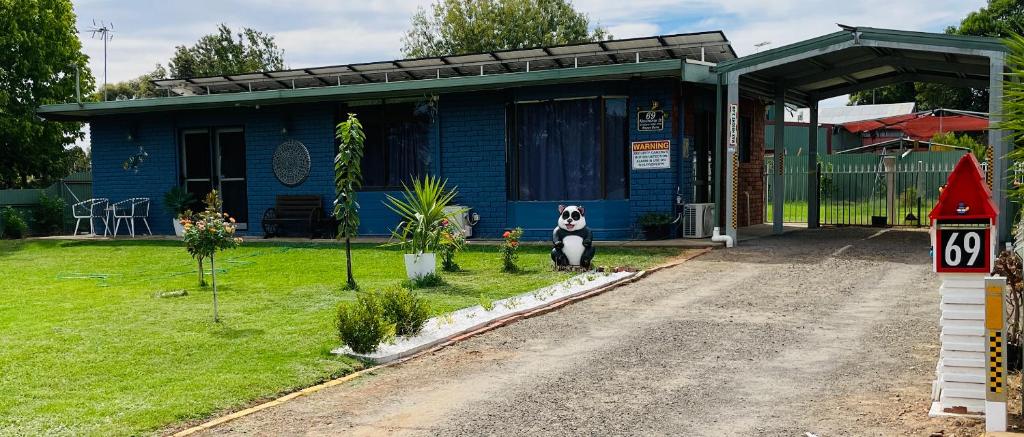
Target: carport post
x,y
731,162
999,142
813,192
778,178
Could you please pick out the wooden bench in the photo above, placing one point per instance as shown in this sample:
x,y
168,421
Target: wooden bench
x,y
295,214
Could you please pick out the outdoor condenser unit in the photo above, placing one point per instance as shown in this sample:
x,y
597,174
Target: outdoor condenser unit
x,y
698,220
466,220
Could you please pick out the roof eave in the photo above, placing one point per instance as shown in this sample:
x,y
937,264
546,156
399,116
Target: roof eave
x,y
86,111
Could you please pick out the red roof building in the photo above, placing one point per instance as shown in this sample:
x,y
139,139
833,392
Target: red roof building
x,y
919,126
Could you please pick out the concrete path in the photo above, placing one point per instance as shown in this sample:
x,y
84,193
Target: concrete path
x,y
831,332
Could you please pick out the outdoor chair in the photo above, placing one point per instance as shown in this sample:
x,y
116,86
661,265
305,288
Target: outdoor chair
x,y
129,210
91,209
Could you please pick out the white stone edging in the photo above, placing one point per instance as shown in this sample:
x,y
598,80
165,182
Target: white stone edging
x,y
445,327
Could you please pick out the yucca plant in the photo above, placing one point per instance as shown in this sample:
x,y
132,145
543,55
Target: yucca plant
x,y
421,209
1013,106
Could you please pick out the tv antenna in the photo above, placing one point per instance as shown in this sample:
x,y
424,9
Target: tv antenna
x,y
761,45
105,32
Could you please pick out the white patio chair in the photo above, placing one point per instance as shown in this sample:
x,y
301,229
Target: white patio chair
x,y
130,210
91,209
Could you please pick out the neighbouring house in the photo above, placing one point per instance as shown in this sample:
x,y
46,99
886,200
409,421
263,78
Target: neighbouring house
x,y
623,127
917,126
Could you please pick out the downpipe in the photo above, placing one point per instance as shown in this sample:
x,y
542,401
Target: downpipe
x,y
718,237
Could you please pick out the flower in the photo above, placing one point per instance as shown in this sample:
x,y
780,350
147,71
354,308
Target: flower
x,y
444,222
232,219
514,243
506,234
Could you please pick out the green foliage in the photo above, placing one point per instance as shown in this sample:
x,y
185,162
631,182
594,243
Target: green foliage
x,y
225,52
1013,105
208,232
421,211
362,325
430,280
654,219
454,27
348,179
509,250
961,142
41,51
12,224
408,311
453,239
178,200
49,214
486,303
138,88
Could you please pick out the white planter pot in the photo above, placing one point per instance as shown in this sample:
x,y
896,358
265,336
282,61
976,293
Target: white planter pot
x,y
420,265
179,230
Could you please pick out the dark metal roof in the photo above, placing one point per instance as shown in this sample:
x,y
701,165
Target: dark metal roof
x,y
859,58
711,47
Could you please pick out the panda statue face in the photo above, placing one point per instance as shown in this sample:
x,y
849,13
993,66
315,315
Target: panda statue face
x,y
571,218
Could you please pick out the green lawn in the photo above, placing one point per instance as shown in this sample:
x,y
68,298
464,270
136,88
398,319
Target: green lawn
x,y
87,348
846,213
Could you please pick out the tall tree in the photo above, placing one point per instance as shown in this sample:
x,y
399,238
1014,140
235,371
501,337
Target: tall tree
x,y
455,27
41,52
348,179
225,52
999,19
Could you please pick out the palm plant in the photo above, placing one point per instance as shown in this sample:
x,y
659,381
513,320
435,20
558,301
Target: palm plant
x,y
1013,105
348,179
421,209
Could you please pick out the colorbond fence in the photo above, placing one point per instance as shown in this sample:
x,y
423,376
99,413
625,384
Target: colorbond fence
x,y
855,188
72,189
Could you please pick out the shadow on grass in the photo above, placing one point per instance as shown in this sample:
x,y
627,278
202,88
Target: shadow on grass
x,y
229,333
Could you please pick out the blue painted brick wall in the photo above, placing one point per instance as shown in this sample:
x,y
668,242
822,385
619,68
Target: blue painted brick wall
x,y
654,190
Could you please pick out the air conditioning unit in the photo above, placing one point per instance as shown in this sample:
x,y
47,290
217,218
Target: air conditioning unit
x,y
698,220
465,219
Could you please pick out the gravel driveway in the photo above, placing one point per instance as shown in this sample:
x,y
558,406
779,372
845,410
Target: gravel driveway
x,y
832,332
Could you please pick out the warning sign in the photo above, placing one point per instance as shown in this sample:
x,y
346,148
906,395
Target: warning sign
x,y
649,155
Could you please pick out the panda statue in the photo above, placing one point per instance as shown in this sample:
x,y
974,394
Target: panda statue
x,y
572,240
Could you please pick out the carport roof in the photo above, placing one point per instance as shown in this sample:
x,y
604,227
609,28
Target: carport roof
x,y
859,58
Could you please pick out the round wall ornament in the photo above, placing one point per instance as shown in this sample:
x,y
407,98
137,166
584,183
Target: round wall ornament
x,y
291,163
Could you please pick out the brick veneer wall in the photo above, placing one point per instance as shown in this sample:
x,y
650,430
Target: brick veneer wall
x,y
751,174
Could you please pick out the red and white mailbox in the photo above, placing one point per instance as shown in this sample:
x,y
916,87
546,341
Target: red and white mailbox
x,y
964,254
963,220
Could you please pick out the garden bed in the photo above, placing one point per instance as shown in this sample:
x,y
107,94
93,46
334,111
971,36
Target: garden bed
x,y
445,327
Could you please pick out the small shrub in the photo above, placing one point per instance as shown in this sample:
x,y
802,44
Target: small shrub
x,y
486,303
509,250
426,281
49,214
406,310
12,225
654,219
362,325
453,239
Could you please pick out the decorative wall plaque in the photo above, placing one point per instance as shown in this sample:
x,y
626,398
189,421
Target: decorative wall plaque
x,y
291,163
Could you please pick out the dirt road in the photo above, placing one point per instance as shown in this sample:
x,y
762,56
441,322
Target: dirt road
x,y
832,332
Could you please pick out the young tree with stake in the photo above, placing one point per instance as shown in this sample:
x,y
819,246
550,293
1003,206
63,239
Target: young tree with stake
x,y
348,179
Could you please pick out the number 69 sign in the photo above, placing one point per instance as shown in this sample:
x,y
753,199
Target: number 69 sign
x,y
963,249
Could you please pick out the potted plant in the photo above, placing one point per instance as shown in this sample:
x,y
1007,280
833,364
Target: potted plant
x,y
178,201
419,232
656,225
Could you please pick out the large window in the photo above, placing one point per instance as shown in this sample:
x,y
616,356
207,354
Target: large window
x,y
397,147
570,150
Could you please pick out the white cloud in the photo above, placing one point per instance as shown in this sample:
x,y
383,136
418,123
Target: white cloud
x,y
632,30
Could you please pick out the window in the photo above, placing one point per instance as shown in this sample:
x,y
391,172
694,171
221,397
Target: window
x,y
570,150
744,138
397,147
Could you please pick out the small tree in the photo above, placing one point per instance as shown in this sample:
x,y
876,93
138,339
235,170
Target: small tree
x,y
211,231
348,179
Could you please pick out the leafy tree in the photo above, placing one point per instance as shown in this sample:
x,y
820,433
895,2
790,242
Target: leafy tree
x,y
960,142
999,19
221,53
455,27
41,52
138,88
348,178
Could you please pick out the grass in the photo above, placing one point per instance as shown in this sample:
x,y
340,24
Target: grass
x,y
87,346
846,213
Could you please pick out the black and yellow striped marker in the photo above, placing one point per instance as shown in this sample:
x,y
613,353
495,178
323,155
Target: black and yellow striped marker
x,y
994,329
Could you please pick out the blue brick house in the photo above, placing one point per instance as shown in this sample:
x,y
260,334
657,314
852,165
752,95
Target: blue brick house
x,y
517,132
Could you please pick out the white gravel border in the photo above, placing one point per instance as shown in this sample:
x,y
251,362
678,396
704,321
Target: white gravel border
x,y
445,327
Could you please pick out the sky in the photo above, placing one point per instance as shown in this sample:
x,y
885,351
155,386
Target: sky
x,y
327,32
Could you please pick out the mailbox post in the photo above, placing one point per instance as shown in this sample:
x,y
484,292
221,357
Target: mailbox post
x,y
964,252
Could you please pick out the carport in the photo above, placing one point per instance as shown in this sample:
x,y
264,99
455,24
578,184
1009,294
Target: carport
x,y
853,59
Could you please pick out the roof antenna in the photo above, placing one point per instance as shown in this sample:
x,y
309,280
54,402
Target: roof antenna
x,y
106,32
853,30
761,44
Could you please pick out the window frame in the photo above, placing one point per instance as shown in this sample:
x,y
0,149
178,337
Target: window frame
x,y
513,156
380,110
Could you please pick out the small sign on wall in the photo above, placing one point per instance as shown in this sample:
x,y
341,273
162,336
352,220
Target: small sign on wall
x,y
734,122
650,121
649,155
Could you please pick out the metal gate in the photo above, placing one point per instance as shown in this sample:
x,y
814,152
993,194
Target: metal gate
x,y
864,189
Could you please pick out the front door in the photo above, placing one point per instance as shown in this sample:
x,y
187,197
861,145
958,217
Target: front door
x,y
216,160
